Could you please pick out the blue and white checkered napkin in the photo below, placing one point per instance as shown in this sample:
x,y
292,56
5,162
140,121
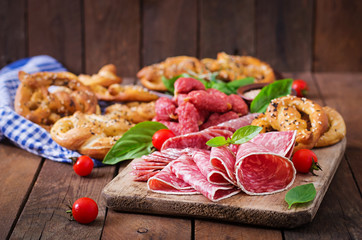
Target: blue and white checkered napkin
x,y
20,131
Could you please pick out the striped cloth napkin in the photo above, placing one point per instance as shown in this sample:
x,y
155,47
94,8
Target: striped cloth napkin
x,y
22,132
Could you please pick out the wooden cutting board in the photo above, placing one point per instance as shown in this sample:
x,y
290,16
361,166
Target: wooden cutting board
x,y
124,194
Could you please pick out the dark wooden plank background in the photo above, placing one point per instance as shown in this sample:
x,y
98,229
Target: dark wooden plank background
x,y
306,35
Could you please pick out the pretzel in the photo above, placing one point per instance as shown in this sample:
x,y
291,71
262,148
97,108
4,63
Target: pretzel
x,y
293,113
90,134
106,85
105,77
232,68
151,76
336,131
134,112
36,101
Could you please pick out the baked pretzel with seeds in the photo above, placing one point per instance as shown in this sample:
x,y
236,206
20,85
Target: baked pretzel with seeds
x,y
45,97
293,113
90,134
107,86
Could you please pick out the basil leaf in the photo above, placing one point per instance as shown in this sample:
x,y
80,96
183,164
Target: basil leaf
x,y
222,87
274,90
217,142
300,194
136,142
245,134
234,85
169,83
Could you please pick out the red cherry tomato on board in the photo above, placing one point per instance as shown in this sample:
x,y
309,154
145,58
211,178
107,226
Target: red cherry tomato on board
x,y
160,137
85,210
305,161
300,87
83,166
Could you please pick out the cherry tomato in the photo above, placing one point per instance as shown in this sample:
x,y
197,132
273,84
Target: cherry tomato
x,y
85,210
83,166
160,137
300,87
305,161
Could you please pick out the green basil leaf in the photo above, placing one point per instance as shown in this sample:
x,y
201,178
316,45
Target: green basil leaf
x,y
169,83
234,85
222,87
217,142
136,142
274,90
300,194
244,134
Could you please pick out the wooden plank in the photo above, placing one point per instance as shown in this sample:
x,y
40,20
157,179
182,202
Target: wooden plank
x,y
338,36
124,194
13,31
227,27
135,226
284,34
141,226
18,169
112,35
339,216
343,92
55,30
216,231
169,28
44,214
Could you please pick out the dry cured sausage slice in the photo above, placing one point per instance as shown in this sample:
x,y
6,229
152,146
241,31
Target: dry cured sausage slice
x,y
195,140
186,169
213,175
166,182
223,158
199,139
259,171
281,143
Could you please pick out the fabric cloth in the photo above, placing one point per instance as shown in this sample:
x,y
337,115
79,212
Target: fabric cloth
x,y
22,132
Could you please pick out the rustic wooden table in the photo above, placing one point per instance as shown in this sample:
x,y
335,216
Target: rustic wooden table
x,y
34,192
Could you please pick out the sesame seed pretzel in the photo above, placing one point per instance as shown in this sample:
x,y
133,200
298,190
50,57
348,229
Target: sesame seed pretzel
x,y
107,86
151,76
90,134
293,113
36,101
336,131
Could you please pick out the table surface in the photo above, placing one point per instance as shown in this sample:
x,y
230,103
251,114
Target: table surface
x,y
35,192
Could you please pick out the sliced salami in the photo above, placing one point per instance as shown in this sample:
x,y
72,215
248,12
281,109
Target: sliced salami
x,y
259,171
186,169
166,182
240,122
223,158
213,175
195,140
281,143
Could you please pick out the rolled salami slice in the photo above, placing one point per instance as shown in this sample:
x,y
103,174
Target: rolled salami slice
x,y
223,158
213,175
166,182
186,169
259,171
281,143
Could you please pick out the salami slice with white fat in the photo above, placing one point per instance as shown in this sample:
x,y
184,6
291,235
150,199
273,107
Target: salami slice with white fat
x,y
259,171
199,139
223,158
186,169
166,182
213,175
281,143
